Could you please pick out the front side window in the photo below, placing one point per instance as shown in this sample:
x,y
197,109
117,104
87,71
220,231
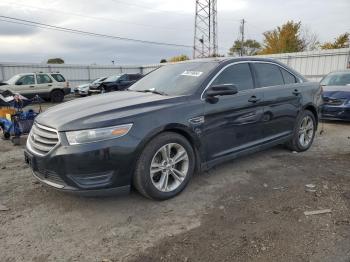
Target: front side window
x,y
238,75
268,75
26,80
288,77
43,79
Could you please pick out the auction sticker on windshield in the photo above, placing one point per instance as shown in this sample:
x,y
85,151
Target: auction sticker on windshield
x,y
192,73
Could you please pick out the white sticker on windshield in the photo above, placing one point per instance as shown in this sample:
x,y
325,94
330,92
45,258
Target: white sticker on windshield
x,y
192,73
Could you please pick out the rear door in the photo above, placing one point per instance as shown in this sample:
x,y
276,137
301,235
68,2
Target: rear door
x,y
282,99
234,122
44,84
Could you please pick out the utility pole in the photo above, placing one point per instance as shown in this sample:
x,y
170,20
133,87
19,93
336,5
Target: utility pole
x,y
242,36
205,42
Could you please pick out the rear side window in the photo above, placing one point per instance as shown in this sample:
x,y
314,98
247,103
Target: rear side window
x,y
288,77
239,75
268,75
58,77
43,79
26,80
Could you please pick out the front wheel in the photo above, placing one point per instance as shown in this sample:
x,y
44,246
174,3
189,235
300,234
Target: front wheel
x,y
304,132
165,166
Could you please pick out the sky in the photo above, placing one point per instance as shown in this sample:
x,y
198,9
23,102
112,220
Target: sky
x,y
152,20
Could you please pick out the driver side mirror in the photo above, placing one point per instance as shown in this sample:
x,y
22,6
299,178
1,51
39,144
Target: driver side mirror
x,y
220,90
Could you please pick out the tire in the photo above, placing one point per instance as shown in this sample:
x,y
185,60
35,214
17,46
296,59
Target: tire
x,y
152,184
306,124
56,96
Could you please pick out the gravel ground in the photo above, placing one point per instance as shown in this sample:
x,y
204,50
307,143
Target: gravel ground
x,y
249,209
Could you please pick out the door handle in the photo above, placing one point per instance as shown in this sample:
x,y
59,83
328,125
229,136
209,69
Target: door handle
x,y
253,99
296,92
31,86
49,85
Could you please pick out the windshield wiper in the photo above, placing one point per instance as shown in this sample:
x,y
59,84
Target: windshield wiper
x,y
151,91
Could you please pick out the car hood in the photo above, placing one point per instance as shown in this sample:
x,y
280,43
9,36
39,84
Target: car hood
x,y
83,86
103,110
338,92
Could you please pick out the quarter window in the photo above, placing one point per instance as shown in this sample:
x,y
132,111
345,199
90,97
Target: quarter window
x,y
288,77
268,75
239,75
43,79
26,80
58,77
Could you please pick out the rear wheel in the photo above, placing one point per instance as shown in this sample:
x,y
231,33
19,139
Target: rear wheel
x,y
56,96
304,132
165,166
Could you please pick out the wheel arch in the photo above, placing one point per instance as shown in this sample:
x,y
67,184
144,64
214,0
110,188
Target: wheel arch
x,y
180,129
313,110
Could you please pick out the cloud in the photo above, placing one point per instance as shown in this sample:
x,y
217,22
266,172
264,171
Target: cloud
x,y
154,20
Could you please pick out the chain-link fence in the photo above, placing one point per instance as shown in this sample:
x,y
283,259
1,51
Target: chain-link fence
x,y
313,65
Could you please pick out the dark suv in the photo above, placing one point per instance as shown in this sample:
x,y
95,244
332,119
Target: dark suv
x,y
115,83
180,119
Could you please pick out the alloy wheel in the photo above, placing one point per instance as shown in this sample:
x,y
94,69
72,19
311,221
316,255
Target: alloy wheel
x,y
169,167
306,131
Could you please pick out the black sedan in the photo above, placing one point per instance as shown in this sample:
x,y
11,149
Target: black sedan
x,y
178,120
336,96
118,82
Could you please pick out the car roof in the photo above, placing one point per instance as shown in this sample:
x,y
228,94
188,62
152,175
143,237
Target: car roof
x,y
340,71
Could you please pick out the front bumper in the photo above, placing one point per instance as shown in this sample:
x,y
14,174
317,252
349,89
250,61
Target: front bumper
x,y
101,168
78,92
67,90
94,91
336,112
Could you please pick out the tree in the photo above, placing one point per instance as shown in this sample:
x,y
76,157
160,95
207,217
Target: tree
x,y
341,41
55,61
310,39
163,60
284,39
250,47
179,58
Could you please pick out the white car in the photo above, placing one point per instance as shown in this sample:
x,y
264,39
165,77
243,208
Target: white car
x,y
83,90
52,86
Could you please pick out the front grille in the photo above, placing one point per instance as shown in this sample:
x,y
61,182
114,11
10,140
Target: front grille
x,y
333,101
42,139
49,175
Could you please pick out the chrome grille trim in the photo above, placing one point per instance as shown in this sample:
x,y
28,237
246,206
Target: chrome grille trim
x,y
41,139
333,101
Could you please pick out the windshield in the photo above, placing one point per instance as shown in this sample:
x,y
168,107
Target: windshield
x,y
13,80
175,79
336,79
99,80
112,78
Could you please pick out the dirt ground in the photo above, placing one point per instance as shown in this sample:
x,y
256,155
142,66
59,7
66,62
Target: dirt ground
x,y
249,209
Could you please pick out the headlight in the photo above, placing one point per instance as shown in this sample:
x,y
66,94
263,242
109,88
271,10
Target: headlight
x,y
95,135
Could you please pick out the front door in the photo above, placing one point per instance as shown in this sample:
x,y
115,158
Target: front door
x,y
25,85
233,123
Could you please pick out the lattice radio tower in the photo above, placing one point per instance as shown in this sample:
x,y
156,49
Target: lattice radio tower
x,y
205,29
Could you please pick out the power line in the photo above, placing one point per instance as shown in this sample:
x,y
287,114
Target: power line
x,y
150,8
75,31
89,16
